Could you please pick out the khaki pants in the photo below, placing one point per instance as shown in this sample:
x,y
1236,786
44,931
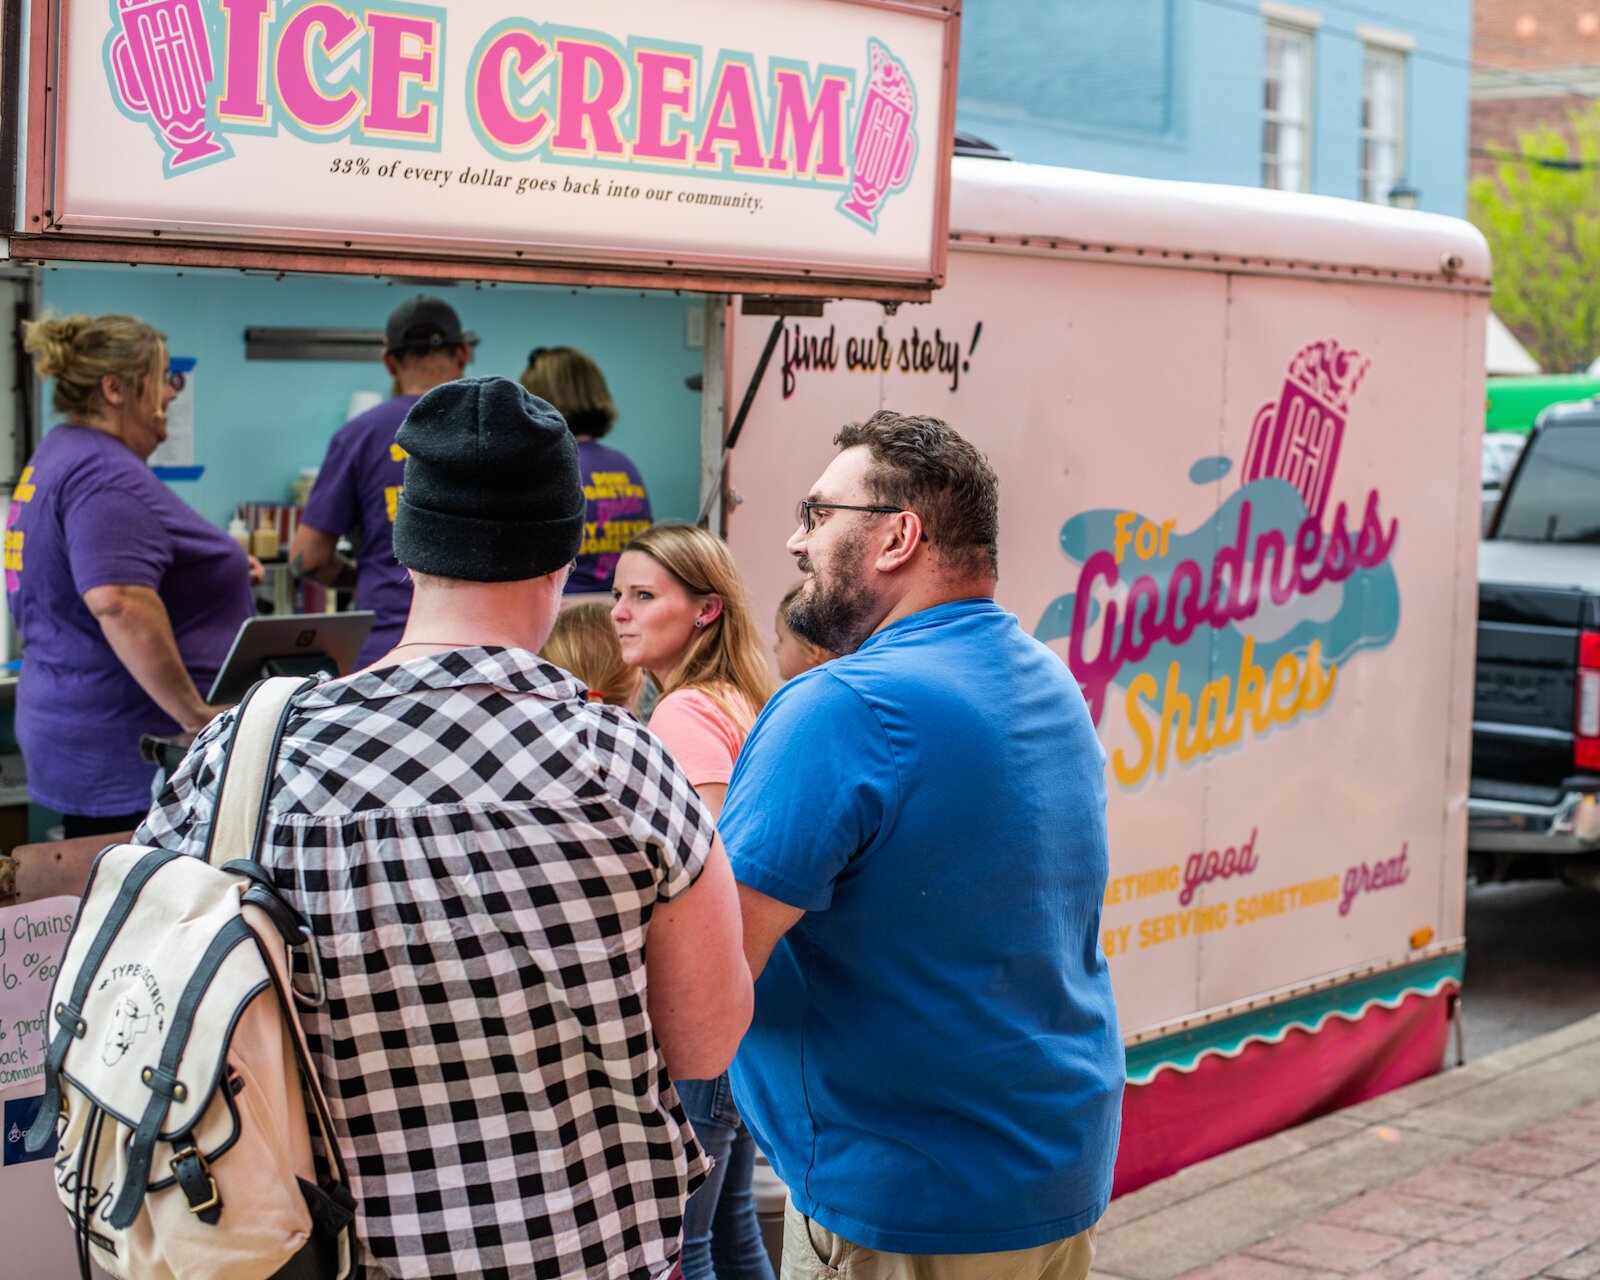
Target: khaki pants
x,y
812,1252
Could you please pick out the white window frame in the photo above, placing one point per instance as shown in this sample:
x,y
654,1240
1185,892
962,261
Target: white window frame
x,y
1374,190
1283,117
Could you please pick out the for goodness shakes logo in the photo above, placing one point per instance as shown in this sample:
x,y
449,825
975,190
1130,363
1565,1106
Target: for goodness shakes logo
x,y
202,72
1238,627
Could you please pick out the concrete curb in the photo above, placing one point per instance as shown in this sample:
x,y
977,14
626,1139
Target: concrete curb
x,y
1215,1209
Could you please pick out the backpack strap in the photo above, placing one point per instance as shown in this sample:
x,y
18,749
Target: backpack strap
x,y
162,1079
240,818
238,827
69,1012
308,1074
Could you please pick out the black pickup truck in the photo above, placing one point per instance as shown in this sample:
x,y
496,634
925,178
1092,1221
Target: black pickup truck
x,y
1534,808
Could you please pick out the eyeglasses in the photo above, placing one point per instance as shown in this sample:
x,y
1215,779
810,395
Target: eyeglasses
x,y
175,381
802,513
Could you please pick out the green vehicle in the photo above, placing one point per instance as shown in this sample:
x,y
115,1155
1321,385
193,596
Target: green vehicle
x,y
1515,403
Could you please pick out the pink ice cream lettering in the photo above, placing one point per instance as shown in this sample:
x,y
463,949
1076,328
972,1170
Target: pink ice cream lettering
x,y
886,143
161,62
1297,437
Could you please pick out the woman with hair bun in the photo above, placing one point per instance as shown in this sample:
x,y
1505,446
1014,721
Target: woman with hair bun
x,y
619,507
683,616
124,597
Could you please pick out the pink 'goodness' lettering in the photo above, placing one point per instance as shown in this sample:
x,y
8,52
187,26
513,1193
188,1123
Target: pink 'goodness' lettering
x,y
334,29
403,52
500,120
1232,595
578,114
244,65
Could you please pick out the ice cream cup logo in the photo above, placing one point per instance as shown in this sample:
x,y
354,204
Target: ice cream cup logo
x,y
161,62
1297,437
886,143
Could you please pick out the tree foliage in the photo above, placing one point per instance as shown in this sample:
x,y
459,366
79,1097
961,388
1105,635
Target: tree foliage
x,y
1540,213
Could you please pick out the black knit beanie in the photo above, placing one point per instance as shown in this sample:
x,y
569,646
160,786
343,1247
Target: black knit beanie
x,y
491,487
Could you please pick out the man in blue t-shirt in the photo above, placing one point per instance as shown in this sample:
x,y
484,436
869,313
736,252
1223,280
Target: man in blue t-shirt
x,y
918,831
359,481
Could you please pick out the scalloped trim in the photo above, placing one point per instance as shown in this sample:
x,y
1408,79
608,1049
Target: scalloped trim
x,y
1188,1062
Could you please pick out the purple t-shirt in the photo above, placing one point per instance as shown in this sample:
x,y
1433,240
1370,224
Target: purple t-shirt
x,y
87,512
618,511
358,486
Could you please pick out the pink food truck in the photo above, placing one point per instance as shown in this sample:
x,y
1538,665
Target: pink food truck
x,y
1237,436
1236,430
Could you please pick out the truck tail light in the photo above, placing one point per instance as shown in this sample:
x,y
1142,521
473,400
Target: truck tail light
x,y
1586,714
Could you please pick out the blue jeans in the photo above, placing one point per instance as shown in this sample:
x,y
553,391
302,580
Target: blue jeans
x,y
721,1237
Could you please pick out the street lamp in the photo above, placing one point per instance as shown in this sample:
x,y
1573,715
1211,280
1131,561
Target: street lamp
x,y
1403,196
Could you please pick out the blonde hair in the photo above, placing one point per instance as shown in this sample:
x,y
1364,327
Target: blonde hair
x,y
78,351
727,653
584,642
573,383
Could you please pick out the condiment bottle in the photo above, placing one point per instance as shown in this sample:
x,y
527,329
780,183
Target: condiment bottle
x,y
239,531
264,543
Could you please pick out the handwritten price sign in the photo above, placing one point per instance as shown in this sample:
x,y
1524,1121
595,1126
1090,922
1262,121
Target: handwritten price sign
x,y
32,939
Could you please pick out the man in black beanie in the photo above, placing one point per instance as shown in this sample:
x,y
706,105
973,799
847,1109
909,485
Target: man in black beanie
x,y
491,488
521,914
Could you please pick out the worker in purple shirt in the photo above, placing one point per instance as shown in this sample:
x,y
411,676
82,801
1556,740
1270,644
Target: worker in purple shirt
x,y
617,508
125,599
360,479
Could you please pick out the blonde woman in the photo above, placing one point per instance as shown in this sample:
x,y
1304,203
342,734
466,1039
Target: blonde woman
x,y
584,642
618,506
125,599
682,615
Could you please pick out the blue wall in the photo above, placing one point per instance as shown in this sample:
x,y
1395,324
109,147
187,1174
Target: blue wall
x,y
1172,88
257,423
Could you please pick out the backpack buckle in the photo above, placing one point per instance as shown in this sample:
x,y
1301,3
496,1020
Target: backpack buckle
x,y
188,1178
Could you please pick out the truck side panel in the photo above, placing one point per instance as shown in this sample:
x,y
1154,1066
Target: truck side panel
x,y
1243,508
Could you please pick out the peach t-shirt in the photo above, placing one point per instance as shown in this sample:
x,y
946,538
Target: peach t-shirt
x,y
701,736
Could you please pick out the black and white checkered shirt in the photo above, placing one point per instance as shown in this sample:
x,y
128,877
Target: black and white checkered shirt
x,y
479,850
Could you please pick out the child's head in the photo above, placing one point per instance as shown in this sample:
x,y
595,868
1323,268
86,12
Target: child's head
x,y
584,642
794,654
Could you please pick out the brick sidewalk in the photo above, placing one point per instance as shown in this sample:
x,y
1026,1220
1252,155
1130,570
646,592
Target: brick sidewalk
x,y
1524,1208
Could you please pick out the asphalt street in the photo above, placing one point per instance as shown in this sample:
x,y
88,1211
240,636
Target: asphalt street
x,y
1533,962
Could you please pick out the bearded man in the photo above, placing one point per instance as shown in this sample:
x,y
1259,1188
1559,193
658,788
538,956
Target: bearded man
x,y
918,831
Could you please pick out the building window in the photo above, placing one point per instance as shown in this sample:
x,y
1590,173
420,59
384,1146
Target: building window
x,y
1286,110
1383,122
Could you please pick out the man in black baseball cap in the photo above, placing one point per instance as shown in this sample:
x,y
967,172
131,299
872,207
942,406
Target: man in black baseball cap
x,y
359,484
424,324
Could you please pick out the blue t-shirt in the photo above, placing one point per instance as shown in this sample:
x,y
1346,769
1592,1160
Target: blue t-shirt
x,y
935,1064
88,512
358,486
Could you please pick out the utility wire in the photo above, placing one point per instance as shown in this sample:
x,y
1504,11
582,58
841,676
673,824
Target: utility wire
x,y
1538,162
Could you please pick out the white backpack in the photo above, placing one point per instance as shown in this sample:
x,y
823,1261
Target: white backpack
x,y
176,1073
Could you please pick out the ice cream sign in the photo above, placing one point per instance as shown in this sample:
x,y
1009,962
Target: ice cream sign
x,y
1202,640
783,113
